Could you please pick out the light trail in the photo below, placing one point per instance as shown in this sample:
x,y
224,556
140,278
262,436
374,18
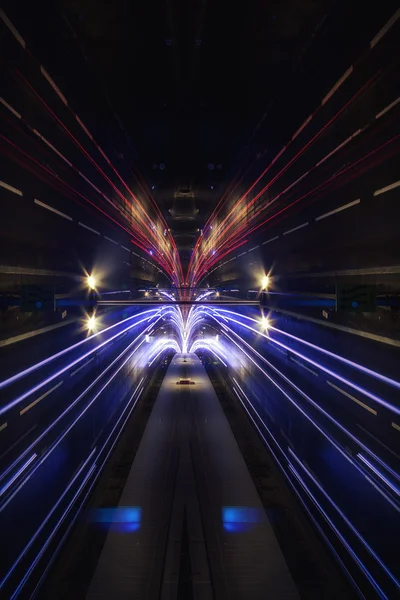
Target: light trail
x,y
74,403
46,361
75,193
345,453
36,534
51,378
242,343
374,397
159,244
350,363
340,536
202,259
74,422
43,72
319,187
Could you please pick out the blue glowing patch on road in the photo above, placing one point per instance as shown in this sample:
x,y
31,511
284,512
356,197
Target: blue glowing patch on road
x,y
239,519
125,519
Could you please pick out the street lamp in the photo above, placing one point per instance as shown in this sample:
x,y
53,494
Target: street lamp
x,y
91,282
264,282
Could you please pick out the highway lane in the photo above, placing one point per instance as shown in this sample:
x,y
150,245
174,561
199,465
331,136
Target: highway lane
x,y
372,364
188,468
51,466
20,355
367,421
48,393
343,498
342,446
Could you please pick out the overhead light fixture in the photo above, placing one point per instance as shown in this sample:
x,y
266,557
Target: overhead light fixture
x,y
91,323
265,324
264,282
91,282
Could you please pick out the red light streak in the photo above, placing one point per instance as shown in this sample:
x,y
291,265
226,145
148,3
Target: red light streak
x,y
234,227
145,238
223,224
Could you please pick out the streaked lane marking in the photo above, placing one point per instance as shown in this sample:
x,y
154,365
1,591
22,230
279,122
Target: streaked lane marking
x,y
93,186
53,85
346,141
12,29
3,426
116,243
10,188
392,186
288,188
251,249
82,367
10,108
124,248
284,352
88,228
371,410
29,334
306,122
304,366
392,270
395,426
85,129
32,404
295,228
385,29
324,323
53,210
378,441
339,209
52,147
385,110
337,85
243,253
270,240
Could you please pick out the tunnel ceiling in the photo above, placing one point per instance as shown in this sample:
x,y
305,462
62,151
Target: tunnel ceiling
x,y
193,98
190,81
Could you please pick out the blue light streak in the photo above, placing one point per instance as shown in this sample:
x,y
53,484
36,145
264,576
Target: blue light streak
x,y
40,385
46,361
319,366
350,363
17,474
46,520
67,410
320,409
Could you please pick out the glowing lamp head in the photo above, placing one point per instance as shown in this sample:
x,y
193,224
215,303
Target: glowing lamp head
x,y
91,282
91,323
265,324
264,282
